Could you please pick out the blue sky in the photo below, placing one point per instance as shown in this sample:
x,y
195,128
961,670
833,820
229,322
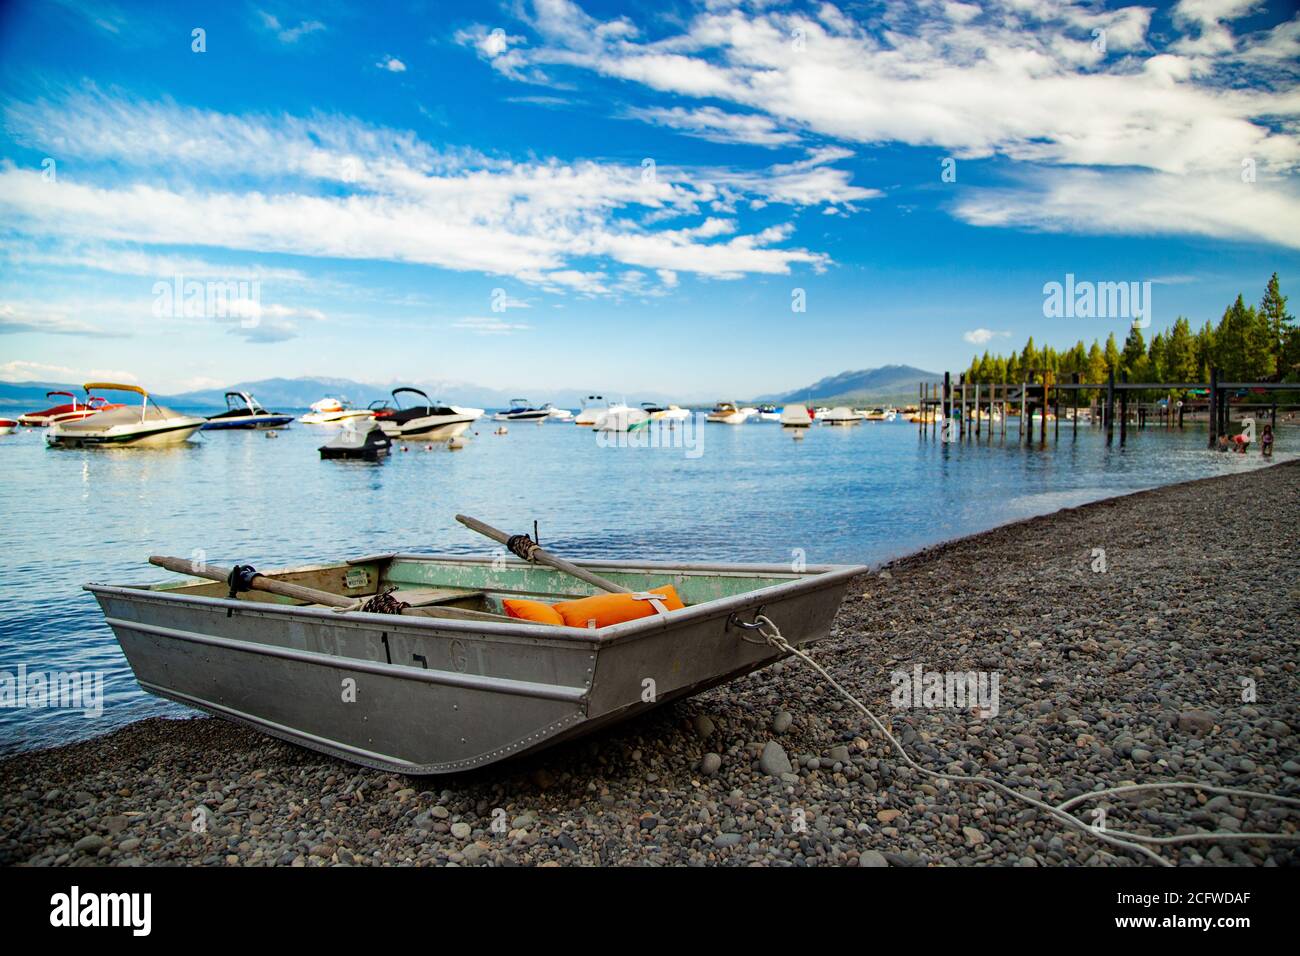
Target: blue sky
x,y
625,196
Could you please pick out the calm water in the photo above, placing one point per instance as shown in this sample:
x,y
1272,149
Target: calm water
x,y
860,494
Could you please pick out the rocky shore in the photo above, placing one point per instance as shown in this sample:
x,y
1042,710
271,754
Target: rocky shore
x,y
1170,656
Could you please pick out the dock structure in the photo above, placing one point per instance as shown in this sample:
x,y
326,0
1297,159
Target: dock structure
x,y
967,404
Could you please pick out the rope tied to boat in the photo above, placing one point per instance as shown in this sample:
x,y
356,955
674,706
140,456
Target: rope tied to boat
x,y
771,634
523,546
385,603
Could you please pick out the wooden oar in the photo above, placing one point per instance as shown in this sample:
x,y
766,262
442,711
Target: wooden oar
x,y
298,592
542,556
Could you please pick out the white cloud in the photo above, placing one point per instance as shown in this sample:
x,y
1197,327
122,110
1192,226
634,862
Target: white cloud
x,y
288,34
711,123
22,370
338,188
981,336
392,64
1023,79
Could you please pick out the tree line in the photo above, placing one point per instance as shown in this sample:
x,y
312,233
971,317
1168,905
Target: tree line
x,y
1249,344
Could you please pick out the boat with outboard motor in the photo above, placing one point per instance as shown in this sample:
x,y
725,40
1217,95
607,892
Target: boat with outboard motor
x,y
427,422
244,411
122,426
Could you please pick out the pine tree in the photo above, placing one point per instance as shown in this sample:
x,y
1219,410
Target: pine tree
x,y
1180,353
1272,308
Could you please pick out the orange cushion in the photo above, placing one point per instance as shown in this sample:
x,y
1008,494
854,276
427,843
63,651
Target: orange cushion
x,y
607,609
533,611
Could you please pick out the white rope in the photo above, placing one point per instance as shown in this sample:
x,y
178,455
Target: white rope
x,y
1128,840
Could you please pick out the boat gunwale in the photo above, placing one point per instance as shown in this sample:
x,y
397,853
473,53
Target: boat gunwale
x,y
812,579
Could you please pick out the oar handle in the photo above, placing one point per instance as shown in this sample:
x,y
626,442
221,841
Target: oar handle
x,y
259,582
542,556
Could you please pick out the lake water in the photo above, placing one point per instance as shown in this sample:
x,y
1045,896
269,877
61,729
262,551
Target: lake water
x,y
745,493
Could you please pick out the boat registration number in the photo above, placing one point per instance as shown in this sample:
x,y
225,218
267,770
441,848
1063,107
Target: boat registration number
x,y
356,578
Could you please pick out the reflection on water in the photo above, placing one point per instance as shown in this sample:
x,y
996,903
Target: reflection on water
x,y
749,493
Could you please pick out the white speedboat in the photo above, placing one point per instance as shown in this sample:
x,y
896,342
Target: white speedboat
x,y
768,413
840,415
560,415
795,416
593,406
726,413
331,411
426,422
521,411
125,426
245,412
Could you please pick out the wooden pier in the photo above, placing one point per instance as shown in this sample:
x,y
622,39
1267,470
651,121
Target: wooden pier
x,y
958,411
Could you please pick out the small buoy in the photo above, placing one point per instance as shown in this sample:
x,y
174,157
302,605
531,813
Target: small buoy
x,y
405,448
428,448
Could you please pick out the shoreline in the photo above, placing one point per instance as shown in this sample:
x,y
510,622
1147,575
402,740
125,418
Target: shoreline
x,y
1125,675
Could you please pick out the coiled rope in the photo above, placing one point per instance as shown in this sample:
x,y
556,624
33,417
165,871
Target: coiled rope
x,y
1126,839
522,546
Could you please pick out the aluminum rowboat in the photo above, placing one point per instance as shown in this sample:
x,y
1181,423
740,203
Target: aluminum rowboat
x,y
425,695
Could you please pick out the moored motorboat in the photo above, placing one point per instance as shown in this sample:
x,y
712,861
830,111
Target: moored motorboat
x,y
498,686
795,415
122,426
244,411
768,413
726,413
7,425
68,412
362,439
840,415
879,415
427,422
593,406
331,411
521,411
560,415
623,419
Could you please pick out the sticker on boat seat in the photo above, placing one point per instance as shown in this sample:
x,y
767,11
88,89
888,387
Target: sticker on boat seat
x,y
356,578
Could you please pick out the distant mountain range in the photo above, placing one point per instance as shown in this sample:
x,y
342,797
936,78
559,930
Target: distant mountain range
x,y
869,384
888,383
292,393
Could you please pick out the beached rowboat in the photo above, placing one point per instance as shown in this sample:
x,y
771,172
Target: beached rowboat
x,y
452,684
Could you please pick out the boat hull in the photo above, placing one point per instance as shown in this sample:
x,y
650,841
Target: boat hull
x,y
151,438
248,422
436,696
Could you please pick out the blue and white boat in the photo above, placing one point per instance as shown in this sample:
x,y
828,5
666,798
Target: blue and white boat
x,y
244,411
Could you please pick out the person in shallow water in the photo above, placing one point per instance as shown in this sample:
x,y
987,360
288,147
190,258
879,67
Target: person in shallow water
x,y
1223,444
1239,443
1266,441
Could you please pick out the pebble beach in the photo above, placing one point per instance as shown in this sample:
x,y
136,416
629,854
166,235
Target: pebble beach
x,y
1145,638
